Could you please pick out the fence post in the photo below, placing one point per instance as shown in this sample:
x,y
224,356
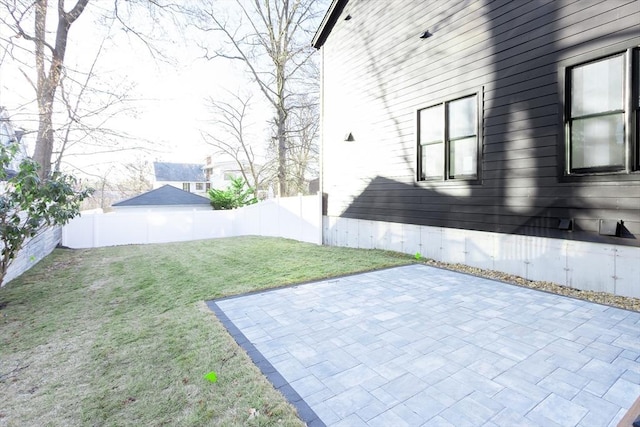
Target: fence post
x,y
95,228
300,218
318,212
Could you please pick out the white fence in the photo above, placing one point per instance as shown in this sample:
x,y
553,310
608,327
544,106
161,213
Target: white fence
x,y
296,218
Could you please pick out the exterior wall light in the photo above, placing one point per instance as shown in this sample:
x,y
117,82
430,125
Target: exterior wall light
x,y
425,35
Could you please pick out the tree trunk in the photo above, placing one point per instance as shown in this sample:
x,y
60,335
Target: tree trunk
x,y
44,143
282,152
281,122
278,32
48,84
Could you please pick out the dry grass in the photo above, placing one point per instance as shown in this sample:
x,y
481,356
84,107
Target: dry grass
x,y
120,336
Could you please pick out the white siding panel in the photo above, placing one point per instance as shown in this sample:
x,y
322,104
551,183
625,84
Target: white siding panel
x,y
581,265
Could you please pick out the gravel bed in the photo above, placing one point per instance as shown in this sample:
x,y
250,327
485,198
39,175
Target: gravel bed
x,y
627,303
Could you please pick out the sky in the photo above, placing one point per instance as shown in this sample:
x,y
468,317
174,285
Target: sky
x,y
168,93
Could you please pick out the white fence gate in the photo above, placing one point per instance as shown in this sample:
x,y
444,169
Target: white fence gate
x,y
296,218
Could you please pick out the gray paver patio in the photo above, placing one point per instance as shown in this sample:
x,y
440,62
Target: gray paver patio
x,y
418,345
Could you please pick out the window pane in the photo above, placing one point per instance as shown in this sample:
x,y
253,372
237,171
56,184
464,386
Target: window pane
x,y
463,157
597,87
432,161
462,117
598,142
431,122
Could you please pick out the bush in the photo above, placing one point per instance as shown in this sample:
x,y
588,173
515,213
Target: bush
x,y
235,196
28,204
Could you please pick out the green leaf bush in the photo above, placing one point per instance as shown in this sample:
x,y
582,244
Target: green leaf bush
x,y
236,195
28,204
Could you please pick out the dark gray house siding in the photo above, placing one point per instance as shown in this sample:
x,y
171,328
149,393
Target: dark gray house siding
x,y
515,56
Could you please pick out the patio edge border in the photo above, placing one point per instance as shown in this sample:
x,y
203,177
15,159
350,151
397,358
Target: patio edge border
x,y
304,411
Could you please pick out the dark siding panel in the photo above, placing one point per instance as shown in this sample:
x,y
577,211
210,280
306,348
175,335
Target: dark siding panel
x,y
378,73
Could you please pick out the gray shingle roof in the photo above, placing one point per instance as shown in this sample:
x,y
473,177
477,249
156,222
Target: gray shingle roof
x,y
179,172
165,196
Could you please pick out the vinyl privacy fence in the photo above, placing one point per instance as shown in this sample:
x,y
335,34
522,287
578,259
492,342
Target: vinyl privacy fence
x,y
296,218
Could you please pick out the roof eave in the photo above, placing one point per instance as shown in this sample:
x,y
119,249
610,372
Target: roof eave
x,y
329,20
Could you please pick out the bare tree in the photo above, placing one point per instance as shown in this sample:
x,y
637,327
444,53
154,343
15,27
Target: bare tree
x,y
49,53
304,128
231,137
137,177
272,39
88,108
102,196
117,183
41,30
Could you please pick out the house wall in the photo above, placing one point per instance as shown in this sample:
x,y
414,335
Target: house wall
x,y
178,184
582,265
377,73
219,174
222,181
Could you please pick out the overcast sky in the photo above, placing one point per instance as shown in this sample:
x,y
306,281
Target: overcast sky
x,y
169,92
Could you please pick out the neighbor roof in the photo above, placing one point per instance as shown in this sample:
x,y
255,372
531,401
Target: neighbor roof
x,y
165,196
182,172
329,20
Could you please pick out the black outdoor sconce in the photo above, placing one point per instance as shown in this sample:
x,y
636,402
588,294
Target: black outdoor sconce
x,y
349,137
425,35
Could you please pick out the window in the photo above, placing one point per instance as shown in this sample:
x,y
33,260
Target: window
x,y
636,105
199,186
601,136
186,186
448,140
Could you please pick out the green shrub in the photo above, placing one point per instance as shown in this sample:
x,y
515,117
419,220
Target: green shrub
x,y
29,204
236,195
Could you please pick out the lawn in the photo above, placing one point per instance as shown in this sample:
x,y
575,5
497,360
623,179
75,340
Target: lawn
x,y
121,335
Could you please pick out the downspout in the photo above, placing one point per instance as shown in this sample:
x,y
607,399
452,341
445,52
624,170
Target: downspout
x,y
321,162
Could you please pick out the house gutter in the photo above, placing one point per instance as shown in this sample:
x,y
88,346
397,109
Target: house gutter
x,y
329,20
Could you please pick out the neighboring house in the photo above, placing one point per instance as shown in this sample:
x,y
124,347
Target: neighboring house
x,y
219,172
166,197
500,134
9,135
187,176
